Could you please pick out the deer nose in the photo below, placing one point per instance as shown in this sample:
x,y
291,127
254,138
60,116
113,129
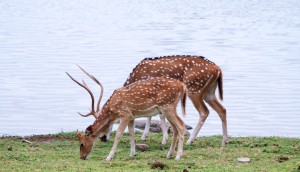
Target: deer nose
x,y
83,157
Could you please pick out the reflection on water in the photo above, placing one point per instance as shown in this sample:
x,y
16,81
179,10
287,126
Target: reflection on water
x,y
256,43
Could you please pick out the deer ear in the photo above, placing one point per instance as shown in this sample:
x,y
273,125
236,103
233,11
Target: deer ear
x,y
88,131
79,136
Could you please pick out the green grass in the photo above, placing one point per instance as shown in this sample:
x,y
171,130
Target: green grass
x,y
61,153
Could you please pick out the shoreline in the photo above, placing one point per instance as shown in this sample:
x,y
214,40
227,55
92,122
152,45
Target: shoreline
x,y
56,135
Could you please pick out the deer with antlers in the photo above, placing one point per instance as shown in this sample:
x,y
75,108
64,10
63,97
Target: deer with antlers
x,y
140,99
201,78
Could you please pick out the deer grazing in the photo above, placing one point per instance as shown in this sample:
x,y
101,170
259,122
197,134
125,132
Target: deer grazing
x,y
201,78
140,99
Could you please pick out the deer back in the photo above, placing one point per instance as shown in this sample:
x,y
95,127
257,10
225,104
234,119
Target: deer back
x,y
145,95
194,71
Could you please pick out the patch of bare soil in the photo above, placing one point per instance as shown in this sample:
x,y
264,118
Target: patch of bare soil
x,y
41,138
47,138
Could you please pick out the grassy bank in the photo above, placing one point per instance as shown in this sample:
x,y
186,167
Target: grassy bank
x,y
61,153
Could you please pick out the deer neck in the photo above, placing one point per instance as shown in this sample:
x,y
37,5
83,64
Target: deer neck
x,y
102,123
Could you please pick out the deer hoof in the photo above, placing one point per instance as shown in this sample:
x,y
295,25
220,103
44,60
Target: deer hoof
x,y
177,158
108,158
189,142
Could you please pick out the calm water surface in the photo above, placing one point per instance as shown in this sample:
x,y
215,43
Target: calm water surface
x,y
256,43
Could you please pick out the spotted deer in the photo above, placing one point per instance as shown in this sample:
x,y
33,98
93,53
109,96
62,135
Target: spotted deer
x,y
140,99
201,78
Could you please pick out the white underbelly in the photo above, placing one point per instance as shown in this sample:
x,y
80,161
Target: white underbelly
x,y
151,111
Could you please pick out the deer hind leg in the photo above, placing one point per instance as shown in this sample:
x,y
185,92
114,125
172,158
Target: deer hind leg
x,y
147,128
199,104
173,144
123,123
180,127
164,129
132,141
178,132
211,99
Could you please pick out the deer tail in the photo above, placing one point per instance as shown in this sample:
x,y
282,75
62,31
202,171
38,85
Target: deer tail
x,y
183,102
220,85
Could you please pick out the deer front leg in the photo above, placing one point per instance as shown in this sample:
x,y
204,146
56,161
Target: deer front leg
x,y
132,141
121,128
164,129
147,128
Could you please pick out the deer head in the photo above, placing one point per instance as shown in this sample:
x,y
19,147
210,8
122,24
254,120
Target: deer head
x,y
86,141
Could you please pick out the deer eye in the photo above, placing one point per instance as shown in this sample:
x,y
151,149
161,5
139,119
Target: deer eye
x,y
81,145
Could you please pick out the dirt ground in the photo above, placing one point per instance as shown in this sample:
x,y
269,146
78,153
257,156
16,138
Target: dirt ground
x,y
40,138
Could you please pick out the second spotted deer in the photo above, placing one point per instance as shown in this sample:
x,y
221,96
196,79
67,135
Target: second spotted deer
x,y
201,77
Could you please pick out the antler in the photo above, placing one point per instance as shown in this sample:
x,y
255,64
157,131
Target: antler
x,y
102,88
84,85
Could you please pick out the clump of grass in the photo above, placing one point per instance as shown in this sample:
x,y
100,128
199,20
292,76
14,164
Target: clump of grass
x,y
60,152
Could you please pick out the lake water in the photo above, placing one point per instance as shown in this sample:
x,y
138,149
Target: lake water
x,y
256,43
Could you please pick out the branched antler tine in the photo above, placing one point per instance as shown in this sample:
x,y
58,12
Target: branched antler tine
x,y
89,91
86,114
99,83
84,84
100,97
101,93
